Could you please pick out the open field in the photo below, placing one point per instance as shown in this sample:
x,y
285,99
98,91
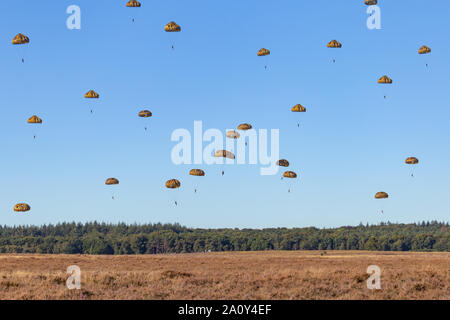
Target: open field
x,y
236,275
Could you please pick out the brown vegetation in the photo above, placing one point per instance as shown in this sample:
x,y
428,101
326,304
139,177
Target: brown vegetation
x,y
232,275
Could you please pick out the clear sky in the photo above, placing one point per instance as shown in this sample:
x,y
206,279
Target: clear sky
x,y
351,142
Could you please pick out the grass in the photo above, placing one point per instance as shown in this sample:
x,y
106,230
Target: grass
x,y
233,275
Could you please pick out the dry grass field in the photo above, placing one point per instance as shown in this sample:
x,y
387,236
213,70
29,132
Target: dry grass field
x,y
236,275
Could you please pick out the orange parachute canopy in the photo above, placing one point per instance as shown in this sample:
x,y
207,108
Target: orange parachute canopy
x,y
22,207
91,94
172,27
385,79
298,108
34,119
334,44
381,195
173,184
111,181
224,154
370,2
263,52
424,50
197,172
244,126
289,174
412,160
144,114
283,163
133,4
20,39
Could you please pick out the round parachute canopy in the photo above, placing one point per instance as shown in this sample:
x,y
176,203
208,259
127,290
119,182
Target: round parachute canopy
x,y
233,134
381,195
111,181
263,52
20,39
22,207
133,4
145,114
385,79
289,174
224,154
283,163
91,94
334,44
298,108
370,2
172,27
34,119
197,172
244,126
412,160
424,50
173,184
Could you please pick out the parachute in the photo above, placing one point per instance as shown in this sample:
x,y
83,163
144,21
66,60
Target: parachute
x,y
91,94
34,119
381,195
145,114
244,126
20,39
298,108
385,80
224,154
172,27
334,44
412,160
111,181
263,52
22,207
424,50
173,184
233,134
283,163
290,174
370,2
197,172
133,4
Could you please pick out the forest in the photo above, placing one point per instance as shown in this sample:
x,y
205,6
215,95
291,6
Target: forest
x,y
121,238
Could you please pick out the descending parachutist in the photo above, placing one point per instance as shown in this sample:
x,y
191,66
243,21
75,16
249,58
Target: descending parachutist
x,y
133,19
176,203
195,190
34,137
265,67
382,211
92,111
426,65
334,60
172,47
223,172
298,125
289,190
112,197
23,60
385,97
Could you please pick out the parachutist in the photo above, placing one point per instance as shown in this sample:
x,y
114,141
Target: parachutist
x,y
382,211
195,190
298,125
34,137
176,203
112,197
23,61
265,67
145,128
132,20
385,97
223,172
173,48
334,60
426,65
289,190
92,111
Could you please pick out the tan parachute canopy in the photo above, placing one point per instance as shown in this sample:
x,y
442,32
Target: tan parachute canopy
x,y
197,172
334,44
233,134
172,27
370,2
289,174
283,163
263,52
22,207
244,126
145,114
381,195
133,4
173,184
424,50
224,154
34,119
298,108
412,160
91,94
385,79
20,39
111,181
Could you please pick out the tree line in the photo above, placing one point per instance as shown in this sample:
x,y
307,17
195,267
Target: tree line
x,y
102,238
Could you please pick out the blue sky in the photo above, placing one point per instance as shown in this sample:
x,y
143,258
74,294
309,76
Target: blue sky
x,y
351,143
